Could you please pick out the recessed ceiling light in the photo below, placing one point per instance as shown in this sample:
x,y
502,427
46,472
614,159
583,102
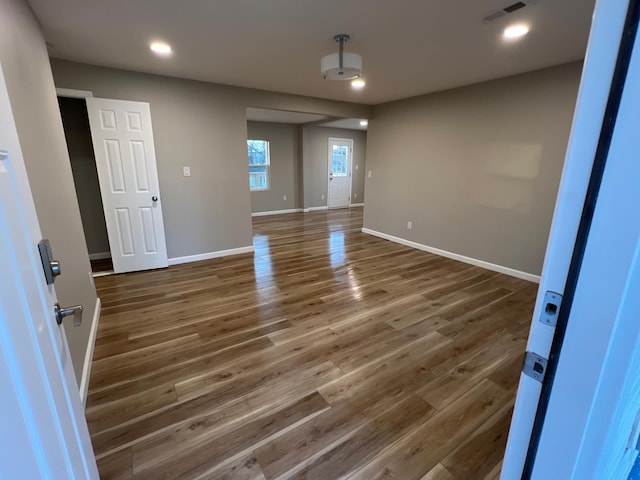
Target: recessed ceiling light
x,y
358,83
161,48
364,123
516,31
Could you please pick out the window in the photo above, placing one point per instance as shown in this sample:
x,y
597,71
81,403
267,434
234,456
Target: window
x,y
258,151
339,160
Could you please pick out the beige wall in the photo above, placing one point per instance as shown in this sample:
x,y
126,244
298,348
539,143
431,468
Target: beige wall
x,y
476,169
315,148
285,169
204,126
85,173
23,56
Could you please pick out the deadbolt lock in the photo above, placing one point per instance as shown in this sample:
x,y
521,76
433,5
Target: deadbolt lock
x,y
50,266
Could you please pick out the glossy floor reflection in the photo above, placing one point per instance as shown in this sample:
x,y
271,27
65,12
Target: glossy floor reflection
x,y
326,354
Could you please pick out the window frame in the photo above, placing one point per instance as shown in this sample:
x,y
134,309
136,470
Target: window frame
x,y
266,165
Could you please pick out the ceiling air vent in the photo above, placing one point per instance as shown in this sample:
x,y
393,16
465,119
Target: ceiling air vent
x,y
504,11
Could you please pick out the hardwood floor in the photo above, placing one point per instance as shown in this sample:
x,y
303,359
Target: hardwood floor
x,y
329,354
102,265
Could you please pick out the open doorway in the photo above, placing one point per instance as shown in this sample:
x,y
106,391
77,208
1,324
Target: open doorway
x,y
75,120
287,161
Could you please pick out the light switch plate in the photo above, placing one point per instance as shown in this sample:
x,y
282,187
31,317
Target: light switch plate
x,y
186,171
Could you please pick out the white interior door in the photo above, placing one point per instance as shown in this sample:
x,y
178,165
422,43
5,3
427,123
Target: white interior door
x,y
43,431
126,160
340,161
586,248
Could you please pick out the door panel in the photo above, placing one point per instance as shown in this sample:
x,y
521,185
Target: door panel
x,y
140,170
148,229
125,234
340,161
125,156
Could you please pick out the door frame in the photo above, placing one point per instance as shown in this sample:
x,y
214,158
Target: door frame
x,y
72,93
83,95
589,118
329,162
564,417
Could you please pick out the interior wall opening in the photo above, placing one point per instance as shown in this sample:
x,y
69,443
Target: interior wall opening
x,y
75,121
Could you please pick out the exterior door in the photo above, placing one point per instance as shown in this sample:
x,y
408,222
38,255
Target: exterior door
x,y
126,160
577,418
340,161
42,426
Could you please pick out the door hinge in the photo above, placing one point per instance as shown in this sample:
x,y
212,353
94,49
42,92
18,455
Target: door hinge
x,y
534,366
551,308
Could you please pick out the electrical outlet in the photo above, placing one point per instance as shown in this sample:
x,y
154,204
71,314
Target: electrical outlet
x,y
186,171
322,197
284,197
409,225
369,174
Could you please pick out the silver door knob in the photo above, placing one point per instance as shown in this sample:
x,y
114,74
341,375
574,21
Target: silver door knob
x,y
154,199
60,313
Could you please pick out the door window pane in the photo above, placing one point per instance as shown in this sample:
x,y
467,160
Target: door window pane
x,y
339,164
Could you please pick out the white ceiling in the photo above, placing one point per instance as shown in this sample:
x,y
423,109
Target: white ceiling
x,y
281,116
409,47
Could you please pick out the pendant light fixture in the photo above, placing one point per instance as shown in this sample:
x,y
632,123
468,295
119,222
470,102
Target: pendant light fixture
x,y
341,65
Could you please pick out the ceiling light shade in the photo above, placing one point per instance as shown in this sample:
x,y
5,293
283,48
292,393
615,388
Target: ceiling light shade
x,y
341,65
161,48
515,31
358,83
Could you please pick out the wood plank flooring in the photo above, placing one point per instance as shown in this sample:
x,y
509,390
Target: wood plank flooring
x,y
328,354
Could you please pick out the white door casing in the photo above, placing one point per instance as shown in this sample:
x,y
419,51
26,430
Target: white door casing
x,y
340,160
122,137
43,429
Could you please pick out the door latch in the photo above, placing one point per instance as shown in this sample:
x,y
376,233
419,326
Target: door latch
x,y
551,308
51,267
61,313
534,366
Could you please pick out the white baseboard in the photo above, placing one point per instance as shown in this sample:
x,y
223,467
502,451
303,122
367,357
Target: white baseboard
x,y
276,212
455,256
315,209
99,256
106,273
207,256
88,357
357,205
